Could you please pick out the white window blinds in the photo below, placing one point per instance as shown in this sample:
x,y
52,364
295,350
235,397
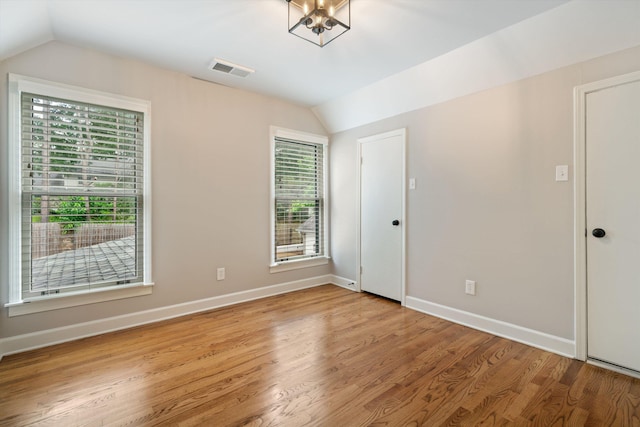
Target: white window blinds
x,y
299,200
82,183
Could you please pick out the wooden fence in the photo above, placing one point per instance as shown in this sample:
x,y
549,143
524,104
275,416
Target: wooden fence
x,y
45,239
92,234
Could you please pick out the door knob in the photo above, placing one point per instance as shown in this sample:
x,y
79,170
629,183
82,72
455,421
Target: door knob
x,y
395,222
598,232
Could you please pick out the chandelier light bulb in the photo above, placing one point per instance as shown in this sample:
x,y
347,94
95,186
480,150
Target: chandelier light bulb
x,y
319,21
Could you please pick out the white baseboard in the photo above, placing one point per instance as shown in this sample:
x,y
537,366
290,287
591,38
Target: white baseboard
x,y
554,344
20,343
344,283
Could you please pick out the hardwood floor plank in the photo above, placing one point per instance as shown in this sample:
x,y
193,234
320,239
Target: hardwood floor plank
x,y
514,411
321,357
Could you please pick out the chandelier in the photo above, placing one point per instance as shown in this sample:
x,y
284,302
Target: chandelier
x,y
319,21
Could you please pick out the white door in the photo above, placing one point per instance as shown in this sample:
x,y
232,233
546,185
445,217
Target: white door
x,y
612,137
382,214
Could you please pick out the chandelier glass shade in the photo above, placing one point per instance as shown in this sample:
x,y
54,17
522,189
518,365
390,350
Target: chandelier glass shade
x,y
319,21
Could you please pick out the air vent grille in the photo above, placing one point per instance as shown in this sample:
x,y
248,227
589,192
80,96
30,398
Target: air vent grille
x,y
230,68
221,67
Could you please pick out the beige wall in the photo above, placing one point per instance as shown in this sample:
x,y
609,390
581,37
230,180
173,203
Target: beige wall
x,y
210,170
487,206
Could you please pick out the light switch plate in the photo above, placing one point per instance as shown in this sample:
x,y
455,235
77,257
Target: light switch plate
x,y
562,173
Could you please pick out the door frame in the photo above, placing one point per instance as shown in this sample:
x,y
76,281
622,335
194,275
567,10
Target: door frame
x,y
580,206
403,217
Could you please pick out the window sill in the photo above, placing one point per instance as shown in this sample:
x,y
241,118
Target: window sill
x,y
55,302
294,265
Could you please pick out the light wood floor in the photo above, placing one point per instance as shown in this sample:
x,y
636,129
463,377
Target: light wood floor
x,y
323,357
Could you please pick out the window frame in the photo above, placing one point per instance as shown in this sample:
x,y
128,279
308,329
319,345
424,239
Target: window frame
x,y
303,137
18,304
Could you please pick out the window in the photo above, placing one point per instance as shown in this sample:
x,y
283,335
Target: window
x,y
299,204
81,185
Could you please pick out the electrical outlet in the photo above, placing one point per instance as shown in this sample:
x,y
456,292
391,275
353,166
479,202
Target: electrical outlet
x,y
470,287
220,273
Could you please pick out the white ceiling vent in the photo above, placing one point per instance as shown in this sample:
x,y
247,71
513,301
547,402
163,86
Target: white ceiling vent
x,y
230,68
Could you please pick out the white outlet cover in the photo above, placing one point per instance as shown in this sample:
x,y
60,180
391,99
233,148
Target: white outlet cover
x,y
470,287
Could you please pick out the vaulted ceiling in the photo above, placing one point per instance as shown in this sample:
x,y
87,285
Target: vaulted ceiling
x,y
387,37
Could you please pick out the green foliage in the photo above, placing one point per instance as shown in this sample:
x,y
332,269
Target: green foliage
x,y
72,144
71,211
298,180
300,210
68,137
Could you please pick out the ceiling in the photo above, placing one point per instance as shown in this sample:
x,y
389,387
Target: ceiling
x,y
387,37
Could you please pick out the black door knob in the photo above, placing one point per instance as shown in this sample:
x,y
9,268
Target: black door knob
x,y
396,222
598,232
